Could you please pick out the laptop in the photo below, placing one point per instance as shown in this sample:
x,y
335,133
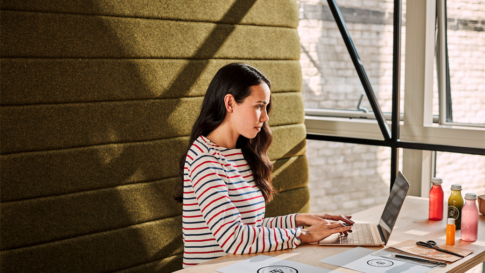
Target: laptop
x,y
364,234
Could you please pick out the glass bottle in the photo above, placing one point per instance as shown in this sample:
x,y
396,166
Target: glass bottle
x,y
455,204
436,200
469,220
450,232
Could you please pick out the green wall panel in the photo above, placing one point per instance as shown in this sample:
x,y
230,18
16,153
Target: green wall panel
x,y
76,36
57,126
288,141
290,173
50,173
263,12
169,264
88,80
287,108
300,202
37,221
101,252
40,174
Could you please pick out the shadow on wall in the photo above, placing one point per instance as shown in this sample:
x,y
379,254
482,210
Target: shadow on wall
x,y
88,158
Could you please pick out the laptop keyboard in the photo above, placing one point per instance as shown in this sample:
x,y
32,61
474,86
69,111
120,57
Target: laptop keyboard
x,y
361,234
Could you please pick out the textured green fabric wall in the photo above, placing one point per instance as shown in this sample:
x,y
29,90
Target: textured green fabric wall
x,y
98,99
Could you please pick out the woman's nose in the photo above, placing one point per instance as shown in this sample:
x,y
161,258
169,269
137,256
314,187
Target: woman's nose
x,y
264,117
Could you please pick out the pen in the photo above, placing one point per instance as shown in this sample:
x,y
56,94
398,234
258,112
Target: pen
x,y
419,260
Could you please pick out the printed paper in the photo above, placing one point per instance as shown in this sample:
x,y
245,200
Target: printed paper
x,y
367,262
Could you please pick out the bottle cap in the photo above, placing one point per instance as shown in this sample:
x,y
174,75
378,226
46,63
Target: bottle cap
x,y
436,180
456,187
471,196
451,221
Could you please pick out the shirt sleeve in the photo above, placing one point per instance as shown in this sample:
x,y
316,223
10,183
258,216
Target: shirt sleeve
x,y
287,221
224,219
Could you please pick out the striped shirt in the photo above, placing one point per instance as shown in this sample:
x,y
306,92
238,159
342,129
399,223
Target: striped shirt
x,y
223,208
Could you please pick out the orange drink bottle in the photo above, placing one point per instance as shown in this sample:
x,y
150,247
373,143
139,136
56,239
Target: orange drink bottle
x,y
450,232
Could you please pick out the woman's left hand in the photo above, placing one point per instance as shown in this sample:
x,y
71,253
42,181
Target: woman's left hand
x,y
335,217
309,219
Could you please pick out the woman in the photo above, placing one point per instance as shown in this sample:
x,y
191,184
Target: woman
x,y
227,176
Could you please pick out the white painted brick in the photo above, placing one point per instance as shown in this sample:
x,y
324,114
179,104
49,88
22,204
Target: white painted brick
x,y
367,201
350,204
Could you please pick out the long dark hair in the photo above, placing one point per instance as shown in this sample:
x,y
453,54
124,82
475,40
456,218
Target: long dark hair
x,y
235,79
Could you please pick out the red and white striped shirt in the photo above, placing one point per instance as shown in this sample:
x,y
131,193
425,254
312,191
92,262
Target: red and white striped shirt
x,y
223,209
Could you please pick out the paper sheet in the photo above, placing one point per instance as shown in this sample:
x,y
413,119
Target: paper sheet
x,y
361,259
348,256
267,264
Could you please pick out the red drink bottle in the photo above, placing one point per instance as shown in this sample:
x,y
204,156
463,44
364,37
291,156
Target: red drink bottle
x,y
436,200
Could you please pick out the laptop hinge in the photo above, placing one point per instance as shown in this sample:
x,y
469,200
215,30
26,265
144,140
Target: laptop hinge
x,y
383,238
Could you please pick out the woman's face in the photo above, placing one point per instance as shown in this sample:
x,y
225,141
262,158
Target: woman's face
x,y
248,117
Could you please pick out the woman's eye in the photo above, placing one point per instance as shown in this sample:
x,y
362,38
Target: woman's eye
x,y
260,106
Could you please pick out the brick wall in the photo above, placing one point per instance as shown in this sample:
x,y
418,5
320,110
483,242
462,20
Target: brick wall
x,y
344,178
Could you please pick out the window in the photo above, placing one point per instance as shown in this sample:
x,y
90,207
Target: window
x,y
331,95
420,130
459,96
331,85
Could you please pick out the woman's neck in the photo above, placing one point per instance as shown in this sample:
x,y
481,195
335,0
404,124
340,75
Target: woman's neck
x,y
224,136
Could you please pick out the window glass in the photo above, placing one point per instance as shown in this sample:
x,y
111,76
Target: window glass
x,y
463,169
329,77
347,178
436,109
466,53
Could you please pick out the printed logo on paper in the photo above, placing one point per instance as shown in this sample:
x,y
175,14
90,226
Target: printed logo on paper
x,y
380,263
453,212
277,269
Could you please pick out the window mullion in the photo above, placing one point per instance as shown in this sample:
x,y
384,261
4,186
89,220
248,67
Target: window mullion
x,y
441,61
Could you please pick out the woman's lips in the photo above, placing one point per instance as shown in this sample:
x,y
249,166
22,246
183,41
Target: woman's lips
x,y
258,128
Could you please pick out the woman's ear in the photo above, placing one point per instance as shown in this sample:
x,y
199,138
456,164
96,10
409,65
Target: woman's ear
x,y
229,102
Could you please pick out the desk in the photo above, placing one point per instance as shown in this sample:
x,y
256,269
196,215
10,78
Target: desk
x,y
413,216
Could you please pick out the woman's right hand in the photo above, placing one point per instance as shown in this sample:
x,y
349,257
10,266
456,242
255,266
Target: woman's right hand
x,y
322,230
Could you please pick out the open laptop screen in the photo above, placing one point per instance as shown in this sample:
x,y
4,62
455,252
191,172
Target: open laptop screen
x,y
393,206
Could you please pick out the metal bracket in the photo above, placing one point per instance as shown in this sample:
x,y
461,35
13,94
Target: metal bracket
x,y
360,101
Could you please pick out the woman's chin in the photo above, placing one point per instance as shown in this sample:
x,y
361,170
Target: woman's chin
x,y
255,134
250,135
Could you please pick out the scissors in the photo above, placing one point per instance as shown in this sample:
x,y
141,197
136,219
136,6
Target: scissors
x,y
432,244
